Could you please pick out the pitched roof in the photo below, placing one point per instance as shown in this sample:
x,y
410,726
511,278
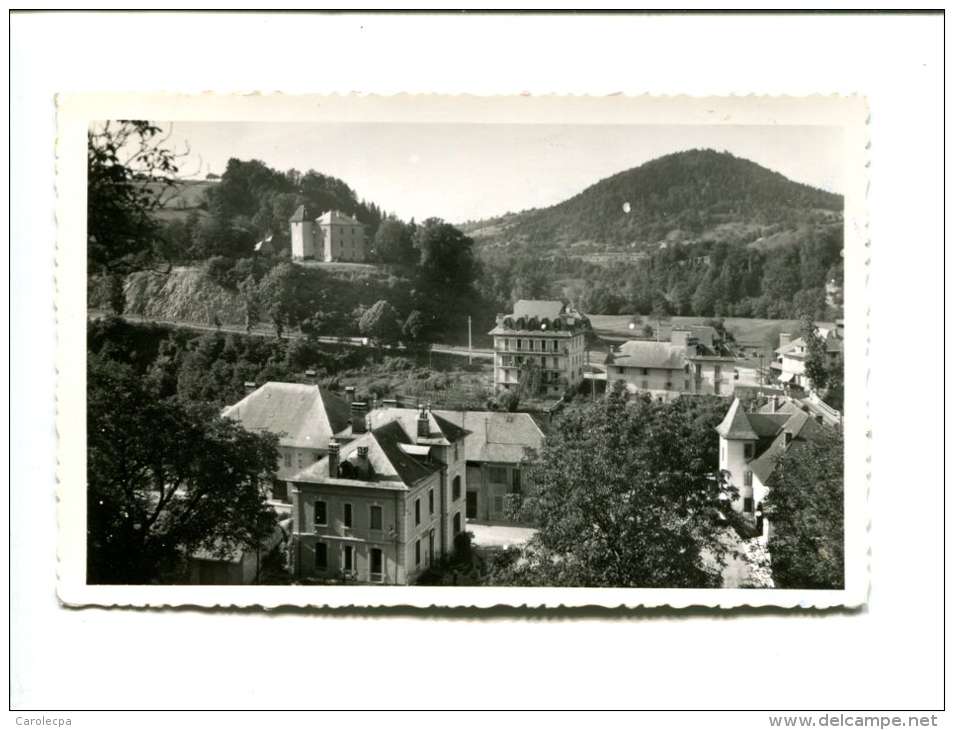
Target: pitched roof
x,y
495,436
736,424
300,214
538,308
304,416
645,354
391,466
338,218
440,431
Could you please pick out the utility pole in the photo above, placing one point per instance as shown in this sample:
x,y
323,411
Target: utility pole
x,y
470,344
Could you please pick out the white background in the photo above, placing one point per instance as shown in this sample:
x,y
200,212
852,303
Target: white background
x,y
888,656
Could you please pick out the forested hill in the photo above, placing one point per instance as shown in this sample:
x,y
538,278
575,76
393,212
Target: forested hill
x,y
685,197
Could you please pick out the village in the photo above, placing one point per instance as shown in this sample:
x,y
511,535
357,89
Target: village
x,y
377,490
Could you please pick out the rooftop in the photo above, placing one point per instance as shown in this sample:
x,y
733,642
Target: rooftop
x,y
647,354
303,416
495,436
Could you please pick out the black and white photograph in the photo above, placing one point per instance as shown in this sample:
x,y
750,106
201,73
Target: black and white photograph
x,y
452,362
483,355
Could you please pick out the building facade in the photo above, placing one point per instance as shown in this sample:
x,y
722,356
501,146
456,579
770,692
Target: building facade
x,y
496,445
332,236
544,335
750,445
382,507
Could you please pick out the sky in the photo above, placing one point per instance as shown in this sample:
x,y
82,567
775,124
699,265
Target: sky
x,y
462,172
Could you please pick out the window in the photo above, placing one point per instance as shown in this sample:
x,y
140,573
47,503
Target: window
x,y
287,459
430,502
455,489
645,371
519,344
417,511
321,556
417,552
377,565
376,517
516,480
788,437
321,513
457,523
497,474
747,504
747,479
348,558
644,384
280,490
456,451
749,451
685,384
347,515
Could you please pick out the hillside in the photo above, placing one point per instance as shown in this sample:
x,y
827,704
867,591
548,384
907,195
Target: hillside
x,y
686,197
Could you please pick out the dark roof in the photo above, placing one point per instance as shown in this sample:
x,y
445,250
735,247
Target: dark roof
x,y
409,468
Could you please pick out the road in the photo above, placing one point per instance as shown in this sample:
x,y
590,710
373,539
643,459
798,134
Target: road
x,y
441,348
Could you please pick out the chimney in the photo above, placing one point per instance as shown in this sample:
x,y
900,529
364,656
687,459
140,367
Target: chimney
x,y
334,455
364,468
423,425
784,338
773,403
250,386
349,393
389,403
359,412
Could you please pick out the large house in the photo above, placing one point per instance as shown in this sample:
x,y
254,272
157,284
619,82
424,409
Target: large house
x,y
789,363
495,445
382,507
304,417
545,334
668,370
750,444
333,236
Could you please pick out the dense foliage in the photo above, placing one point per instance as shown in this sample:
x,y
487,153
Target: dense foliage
x,y
166,477
806,510
626,494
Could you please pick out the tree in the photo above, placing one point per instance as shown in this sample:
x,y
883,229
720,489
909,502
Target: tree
x,y
805,507
129,176
166,478
381,323
394,242
816,356
627,494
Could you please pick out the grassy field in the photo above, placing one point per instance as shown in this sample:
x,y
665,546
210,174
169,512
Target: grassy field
x,y
745,330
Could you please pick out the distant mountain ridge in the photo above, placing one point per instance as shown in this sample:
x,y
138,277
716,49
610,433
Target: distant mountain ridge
x,y
685,197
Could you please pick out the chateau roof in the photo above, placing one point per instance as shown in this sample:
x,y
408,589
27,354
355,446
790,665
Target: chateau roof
x,y
300,214
441,432
336,217
304,416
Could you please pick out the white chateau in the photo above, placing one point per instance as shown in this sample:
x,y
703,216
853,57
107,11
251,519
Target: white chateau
x,y
332,236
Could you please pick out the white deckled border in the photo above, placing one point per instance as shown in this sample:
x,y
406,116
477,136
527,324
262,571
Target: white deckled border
x,y
74,112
